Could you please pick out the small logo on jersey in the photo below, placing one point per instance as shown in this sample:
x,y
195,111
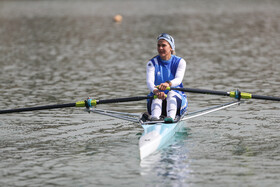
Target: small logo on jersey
x,y
150,64
158,72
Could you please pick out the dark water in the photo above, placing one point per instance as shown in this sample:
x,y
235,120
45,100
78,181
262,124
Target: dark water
x,y
64,51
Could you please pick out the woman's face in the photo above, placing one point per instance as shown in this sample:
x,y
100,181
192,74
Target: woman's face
x,y
164,49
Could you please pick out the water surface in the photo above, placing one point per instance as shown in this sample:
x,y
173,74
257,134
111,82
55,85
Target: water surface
x,y
54,52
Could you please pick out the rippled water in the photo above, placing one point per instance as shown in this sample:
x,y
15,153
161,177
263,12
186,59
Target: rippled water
x,y
64,51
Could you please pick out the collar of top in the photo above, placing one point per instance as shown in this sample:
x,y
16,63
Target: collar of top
x,y
165,62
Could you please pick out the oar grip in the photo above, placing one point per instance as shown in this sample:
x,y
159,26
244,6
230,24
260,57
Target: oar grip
x,y
243,95
83,103
155,96
168,88
80,104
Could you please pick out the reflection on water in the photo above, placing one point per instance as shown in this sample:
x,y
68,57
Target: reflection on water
x,y
171,163
64,51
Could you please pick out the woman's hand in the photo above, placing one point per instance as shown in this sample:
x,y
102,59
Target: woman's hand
x,y
159,94
163,86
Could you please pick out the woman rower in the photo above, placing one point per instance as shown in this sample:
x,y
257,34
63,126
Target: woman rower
x,y
166,70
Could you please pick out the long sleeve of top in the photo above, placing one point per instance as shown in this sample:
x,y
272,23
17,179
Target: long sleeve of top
x,y
150,76
179,75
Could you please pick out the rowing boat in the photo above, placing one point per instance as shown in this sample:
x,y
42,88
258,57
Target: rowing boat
x,y
156,133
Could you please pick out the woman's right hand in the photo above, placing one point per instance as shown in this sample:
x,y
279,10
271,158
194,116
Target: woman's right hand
x,y
159,94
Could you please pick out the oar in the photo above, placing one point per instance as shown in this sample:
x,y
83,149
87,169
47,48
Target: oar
x,y
236,94
86,103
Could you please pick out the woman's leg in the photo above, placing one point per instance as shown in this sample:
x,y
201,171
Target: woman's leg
x,y
171,99
156,108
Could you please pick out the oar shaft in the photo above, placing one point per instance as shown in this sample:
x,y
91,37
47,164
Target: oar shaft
x,y
120,100
77,104
37,108
235,94
201,91
266,97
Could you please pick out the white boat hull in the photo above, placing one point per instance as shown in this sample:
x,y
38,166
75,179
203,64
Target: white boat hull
x,y
156,136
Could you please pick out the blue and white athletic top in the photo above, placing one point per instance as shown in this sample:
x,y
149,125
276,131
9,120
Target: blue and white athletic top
x,y
160,71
